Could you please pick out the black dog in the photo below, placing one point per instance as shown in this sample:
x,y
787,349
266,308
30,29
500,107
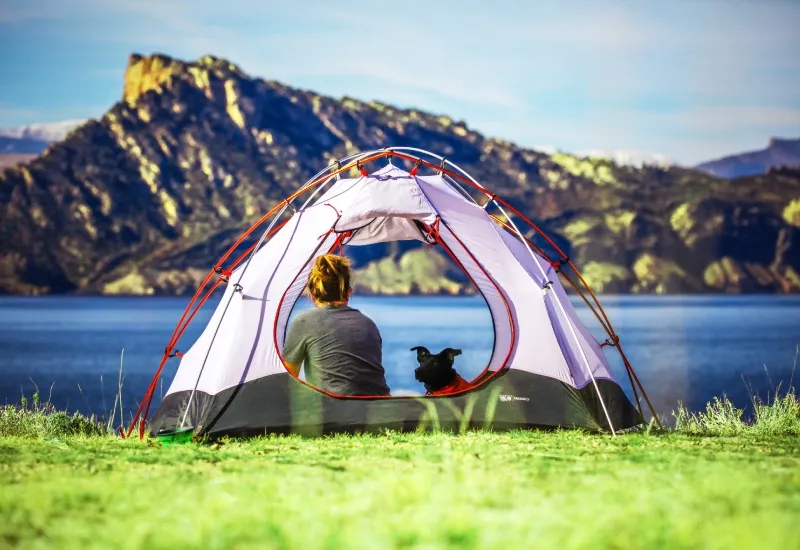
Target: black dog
x,y
436,372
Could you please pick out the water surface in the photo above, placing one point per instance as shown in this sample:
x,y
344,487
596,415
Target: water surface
x,y
686,349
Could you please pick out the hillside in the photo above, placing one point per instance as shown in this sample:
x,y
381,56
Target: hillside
x,y
143,199
778,153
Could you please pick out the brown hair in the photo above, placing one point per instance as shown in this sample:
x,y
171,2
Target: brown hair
x,y
329,279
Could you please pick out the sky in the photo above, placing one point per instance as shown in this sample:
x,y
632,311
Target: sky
x,y
689,79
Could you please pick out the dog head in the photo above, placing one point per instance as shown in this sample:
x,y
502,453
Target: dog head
x,y
435,371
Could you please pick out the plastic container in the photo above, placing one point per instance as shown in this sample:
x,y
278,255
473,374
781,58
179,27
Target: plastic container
x,y
178,436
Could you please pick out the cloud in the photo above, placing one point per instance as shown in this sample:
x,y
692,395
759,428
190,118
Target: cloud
x,y
688,135
19,11
10,111
717,120
580,75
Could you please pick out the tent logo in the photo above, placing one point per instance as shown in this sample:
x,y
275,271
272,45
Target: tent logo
x,y
506,398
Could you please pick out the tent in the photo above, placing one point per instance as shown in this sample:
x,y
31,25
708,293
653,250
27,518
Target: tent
x,y
545,370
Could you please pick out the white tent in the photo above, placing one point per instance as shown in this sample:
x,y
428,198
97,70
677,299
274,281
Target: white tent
x,y
545,369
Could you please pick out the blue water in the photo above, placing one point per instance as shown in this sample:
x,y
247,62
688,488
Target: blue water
x,y
685,349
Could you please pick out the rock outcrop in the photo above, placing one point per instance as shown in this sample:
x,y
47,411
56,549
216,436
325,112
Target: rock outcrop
x,y
144,199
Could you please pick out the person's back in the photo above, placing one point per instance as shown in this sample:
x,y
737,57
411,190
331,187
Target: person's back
x,y
340,349
339,346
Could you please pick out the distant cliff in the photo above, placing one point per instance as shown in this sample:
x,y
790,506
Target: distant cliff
x,y
779,153
144,199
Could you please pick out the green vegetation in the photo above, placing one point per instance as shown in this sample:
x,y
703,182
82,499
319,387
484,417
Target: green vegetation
x,y
606,276
419,271
579,231
596,169
723,272
715,482
792,213
41,420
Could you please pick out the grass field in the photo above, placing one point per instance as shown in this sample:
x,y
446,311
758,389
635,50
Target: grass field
x,y
476,490
714,481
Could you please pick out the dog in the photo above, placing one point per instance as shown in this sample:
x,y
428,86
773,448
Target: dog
x,y
436,372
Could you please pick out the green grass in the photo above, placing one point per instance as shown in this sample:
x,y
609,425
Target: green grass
x,y
42,420
781,416
477,490
695,488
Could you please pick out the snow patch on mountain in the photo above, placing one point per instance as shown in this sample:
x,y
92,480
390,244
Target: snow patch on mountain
x,y
45,131
622,157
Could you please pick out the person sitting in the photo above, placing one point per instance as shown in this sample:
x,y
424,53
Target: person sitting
x,y
339,346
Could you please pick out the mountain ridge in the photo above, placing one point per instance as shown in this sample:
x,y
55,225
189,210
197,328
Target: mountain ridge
x,y
780,152
143,199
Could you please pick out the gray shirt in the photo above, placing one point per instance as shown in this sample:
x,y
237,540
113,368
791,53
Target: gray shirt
x,y
340,348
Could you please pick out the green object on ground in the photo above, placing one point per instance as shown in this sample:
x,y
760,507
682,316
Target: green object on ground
x,y
563,489
178,436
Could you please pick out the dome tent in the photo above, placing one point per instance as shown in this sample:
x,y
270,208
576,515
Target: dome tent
x,y
545,370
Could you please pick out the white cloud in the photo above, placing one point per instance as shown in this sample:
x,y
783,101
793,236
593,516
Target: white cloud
x,y
612,75
54,131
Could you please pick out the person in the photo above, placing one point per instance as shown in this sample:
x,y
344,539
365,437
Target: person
x,y
339,346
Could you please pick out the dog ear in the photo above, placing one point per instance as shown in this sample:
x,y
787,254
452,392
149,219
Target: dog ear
x,y
451,353
422,353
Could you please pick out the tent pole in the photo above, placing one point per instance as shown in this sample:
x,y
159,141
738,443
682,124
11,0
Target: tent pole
x,y
238,281
586,362
641,387
492,199
224,311
409,154
563,311
241,275
608,328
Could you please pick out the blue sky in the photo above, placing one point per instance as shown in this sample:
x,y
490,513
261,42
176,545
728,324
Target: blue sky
x,y
691,79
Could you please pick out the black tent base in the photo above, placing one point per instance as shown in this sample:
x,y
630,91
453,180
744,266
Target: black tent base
x,y
280,404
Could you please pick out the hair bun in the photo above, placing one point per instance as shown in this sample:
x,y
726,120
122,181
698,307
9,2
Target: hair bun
x,y
329,280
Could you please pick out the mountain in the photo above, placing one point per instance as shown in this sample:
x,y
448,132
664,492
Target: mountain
x,y
145,198
21,146
47,132
779,152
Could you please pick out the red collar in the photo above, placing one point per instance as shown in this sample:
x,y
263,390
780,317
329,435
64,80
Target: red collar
x,y
458,384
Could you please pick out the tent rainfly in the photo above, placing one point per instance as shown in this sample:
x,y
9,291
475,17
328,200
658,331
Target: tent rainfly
x,y
545,370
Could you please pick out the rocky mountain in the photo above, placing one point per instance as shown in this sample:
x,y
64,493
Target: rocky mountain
x,y
779,153
144,199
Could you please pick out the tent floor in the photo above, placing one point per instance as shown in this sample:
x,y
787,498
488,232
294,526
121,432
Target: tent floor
x,y
280,404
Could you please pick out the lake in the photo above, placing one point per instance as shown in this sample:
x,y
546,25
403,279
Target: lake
x,y
684,349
